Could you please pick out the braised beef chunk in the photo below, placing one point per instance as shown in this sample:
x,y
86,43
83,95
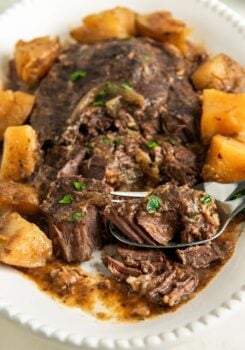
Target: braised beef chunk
x,y
113,159
168,213
199,215
123,94
73,207
149,261
118,62
200,256
180,164
168,284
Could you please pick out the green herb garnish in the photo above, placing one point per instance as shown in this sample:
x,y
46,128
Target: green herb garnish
x,y
206,199
117,141
102,95
112,87
147,58
153,204
98,103
151,144
76,216
79,185
100,99
126,86
67,199
106,139
77,75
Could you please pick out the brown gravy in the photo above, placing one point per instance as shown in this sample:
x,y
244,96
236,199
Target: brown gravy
x,y
115,299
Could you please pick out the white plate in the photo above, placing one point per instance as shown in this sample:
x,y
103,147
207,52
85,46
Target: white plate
x,y
221,30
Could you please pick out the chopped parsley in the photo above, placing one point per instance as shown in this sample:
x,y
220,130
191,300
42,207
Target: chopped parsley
x,y
79,185
206,199
76,216
151,144
126,86
100,99
77,75
147,58
112,87
153,204
106,139
117,141
98,103
67,199
102,94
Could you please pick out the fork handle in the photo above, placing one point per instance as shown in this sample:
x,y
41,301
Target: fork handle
x,y
234,206
240,187
130,194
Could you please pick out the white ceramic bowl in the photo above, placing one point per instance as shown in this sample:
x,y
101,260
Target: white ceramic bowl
x,y
222,31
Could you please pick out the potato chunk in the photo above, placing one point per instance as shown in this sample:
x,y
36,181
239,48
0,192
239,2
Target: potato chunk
x,y
220,73
20,152
34,58
116,23
22,243
222,113
19,197
162,26
225,160
15,107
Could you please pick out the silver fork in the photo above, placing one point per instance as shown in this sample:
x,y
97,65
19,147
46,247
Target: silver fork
x,y
226,210
219,191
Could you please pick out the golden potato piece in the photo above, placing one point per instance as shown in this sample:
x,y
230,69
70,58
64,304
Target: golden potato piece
x,y
34,58
19,197
20,153
23,243
116,23
162,26
222,113
15,107
225,160
240,137
220,73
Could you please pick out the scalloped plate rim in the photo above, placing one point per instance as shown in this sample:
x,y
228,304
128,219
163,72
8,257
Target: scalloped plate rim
x,y
154,341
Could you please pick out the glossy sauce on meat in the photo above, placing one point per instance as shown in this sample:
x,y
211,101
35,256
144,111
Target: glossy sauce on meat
x,y
77,288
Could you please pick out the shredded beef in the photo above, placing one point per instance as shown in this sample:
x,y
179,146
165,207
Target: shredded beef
x,y
182,215
200,256
167,285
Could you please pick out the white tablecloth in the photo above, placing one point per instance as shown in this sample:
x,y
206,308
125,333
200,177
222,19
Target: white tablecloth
x,y
227,335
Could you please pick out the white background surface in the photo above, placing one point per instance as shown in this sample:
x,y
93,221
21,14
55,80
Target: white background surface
x,y
227,335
